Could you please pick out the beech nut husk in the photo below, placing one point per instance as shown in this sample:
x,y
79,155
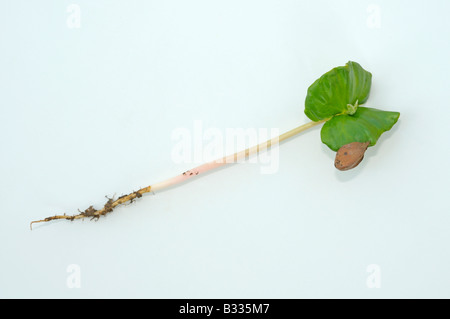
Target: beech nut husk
x,y
350,155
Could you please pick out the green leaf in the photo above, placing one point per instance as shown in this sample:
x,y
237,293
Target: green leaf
x,y
366,125
338,91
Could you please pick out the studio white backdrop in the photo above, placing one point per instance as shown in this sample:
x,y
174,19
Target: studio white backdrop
x,y
91,93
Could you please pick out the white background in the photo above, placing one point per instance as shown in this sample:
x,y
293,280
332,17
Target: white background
x,y
87,112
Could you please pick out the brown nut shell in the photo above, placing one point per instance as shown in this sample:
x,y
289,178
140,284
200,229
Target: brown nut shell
x,y
350,155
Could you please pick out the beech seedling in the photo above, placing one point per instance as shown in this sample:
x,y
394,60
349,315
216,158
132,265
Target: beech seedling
x,y
335,99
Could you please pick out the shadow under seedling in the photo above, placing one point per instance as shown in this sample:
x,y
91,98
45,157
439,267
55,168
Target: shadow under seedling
x,y
334,99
